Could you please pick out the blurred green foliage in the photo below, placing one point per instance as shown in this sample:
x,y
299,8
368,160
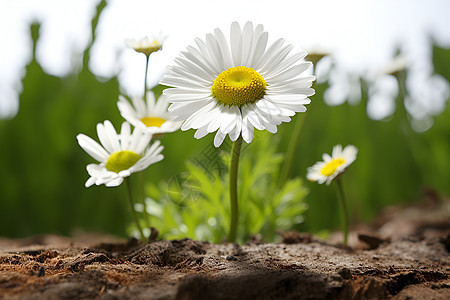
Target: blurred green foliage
x,y
43,168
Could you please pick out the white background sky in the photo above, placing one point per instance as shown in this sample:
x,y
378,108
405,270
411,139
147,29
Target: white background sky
x,y
362,35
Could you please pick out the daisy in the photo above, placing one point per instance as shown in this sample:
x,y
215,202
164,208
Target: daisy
x,y
145,45
151,117
332,166
120,155
233,86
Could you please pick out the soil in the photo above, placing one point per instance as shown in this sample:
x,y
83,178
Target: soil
x,y
404,255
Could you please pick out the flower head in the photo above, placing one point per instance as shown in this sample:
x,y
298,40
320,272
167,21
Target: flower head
x,y
316,55
152,117
332,166
235,86
145,45
120,155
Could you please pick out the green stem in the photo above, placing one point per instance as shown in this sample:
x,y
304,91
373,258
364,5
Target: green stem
x,y
291,149
235,152
147,59
144,205
341,196
130,198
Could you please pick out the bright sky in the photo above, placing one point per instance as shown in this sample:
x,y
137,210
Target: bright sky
x,y
362,35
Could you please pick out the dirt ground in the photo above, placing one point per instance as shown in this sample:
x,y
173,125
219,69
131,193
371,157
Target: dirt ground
x,y
404,255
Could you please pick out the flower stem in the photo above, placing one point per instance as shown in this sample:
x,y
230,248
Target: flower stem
x,y
235,153
341,196
291,150
147,59
130,198
144,204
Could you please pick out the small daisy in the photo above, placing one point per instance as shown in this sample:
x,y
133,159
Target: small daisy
x,y
145,45
397,65
332,166
233,86
315,55
152,117
120,155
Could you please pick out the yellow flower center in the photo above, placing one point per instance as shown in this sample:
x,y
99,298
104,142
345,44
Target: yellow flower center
x,y
238,86
331,166
153,121
121,160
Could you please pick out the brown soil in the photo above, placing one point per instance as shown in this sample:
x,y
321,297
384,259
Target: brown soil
x,y
404,256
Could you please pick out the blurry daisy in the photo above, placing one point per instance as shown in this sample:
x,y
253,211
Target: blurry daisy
x,y
145,45
397,65
332,166
233,86
152,117
316,54
120,155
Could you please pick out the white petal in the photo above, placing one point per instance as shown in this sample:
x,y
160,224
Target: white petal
x,y
202,47
269,53
181,82
249,113
185,73
124,173
194,68
247,130
290,61
199,114
139,105
111,136
217,119
201,132
92,148
218,139
275,60
115,182
260,47
125,133
104,138
337,151
214,51
290,73
236,132
195,56
271,109
223,44
229,118
90,182
247,41
236,43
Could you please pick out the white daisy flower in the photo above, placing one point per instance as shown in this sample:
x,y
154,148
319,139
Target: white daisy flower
x,y
152,117
332,166
236,86
146,45
120,155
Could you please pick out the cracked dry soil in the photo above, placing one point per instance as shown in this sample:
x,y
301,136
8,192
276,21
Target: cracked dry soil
x,y
405,255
